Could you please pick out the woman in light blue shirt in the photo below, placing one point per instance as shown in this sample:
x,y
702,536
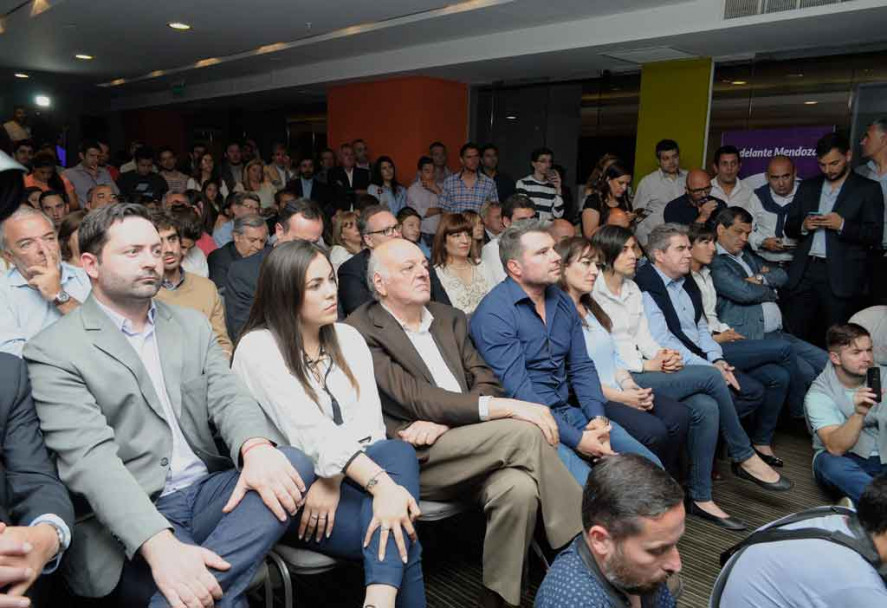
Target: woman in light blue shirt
x,y
658,422
384,186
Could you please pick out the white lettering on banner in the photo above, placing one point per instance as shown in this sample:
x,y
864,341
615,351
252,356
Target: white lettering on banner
x,y
798,152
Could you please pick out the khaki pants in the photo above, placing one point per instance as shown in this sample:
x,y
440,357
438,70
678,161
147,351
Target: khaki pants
x,y
511,470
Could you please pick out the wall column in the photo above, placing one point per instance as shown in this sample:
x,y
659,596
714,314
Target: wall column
x,y
675,103
399,117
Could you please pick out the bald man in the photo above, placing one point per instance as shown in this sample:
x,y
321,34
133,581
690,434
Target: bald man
x,y
561,230
618,217
439,395
769,207
697,205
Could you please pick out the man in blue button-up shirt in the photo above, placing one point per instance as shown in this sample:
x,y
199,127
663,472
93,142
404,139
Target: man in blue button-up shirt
x,y
529,333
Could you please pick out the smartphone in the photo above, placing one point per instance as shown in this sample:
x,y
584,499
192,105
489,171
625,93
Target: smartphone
x,y
814,214
873,381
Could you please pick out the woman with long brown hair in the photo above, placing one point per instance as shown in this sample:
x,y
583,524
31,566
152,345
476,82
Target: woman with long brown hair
x,y
465,278
610,192
314,379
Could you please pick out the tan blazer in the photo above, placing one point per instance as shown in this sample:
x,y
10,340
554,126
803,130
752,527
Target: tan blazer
x,y
101,416
406,385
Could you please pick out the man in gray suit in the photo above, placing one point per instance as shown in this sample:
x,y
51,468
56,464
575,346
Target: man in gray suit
x,y
136,399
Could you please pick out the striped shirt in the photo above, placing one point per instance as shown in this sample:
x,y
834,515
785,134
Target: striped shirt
x,y
457,196
549,204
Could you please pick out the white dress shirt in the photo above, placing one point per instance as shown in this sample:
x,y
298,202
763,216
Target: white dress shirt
x,y
184,467
308,424
740,196
630,330
709,300
428,351
195,262
765,226
489,255
655,191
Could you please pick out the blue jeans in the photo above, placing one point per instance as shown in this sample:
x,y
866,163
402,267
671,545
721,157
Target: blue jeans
x,y
242,537
353,516
769,362
809,362
620,441
704,392
848,474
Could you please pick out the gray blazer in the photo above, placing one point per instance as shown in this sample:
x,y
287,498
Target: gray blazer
x,y
100,414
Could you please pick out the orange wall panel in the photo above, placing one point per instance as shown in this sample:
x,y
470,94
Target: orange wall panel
x,y
399,118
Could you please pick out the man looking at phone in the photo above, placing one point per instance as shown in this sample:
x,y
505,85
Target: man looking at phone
x,y
769,206
697,205
838,218
848,418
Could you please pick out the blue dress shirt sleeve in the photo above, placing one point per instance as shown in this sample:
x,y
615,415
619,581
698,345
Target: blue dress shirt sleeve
x,y
659,329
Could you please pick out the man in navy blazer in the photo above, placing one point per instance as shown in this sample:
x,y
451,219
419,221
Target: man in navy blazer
x,y
838,219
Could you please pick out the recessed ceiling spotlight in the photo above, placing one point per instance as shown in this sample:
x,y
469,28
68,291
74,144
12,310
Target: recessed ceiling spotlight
x,y
810,103
795,75
21,75
42,101
178,25
511,117
738,82
84,57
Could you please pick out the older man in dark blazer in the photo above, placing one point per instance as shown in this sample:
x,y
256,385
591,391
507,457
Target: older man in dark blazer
x,y
838,218
34,505
439,395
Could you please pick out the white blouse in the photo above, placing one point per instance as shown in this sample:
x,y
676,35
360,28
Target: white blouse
x,y
338,256
307,425
630,329
462,296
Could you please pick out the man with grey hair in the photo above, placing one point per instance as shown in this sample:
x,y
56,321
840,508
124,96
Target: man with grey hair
x,y
874,148
377,225
439,395
529,332
238,204
250,234
100,196
38,288
674,311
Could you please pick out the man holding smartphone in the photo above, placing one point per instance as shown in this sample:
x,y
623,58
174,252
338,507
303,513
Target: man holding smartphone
x,y
846,411
838,219
769,206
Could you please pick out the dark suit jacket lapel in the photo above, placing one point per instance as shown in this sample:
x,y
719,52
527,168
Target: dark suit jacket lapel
x,y
396,341
846,191
111,341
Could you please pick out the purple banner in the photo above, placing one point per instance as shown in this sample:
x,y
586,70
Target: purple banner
x,y
758,146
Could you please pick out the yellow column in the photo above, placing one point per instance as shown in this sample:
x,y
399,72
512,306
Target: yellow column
x,y
675,102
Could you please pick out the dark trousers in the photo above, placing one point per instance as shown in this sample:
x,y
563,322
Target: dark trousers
x,y
353,516
768,363
663,429
813,308
242,537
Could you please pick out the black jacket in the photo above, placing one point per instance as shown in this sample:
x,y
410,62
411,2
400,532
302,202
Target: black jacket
x,y
320,192
29,483
240,291
344,195
354,291
219,262
861,204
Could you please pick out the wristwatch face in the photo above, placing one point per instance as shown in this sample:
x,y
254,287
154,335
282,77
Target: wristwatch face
x,y
62,297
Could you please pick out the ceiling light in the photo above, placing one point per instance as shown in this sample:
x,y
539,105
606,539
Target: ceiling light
x,y
84,57
511,117
42,101
795,75
21,75
178,25
810,103
738,82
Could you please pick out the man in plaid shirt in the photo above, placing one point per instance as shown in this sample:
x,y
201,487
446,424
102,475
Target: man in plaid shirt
x,y
468,189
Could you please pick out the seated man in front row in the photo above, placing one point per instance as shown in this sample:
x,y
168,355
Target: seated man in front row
x,y
35,508
848,420
746,287
632,520
529,332
438,394
131,393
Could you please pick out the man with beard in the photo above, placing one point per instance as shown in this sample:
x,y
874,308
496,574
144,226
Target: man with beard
x,y
632,517
838,218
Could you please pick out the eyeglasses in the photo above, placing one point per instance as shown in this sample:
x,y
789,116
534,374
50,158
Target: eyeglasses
x,y
387,231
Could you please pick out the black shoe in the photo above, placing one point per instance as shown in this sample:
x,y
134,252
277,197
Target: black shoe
x,y
773,461
728,523
784,484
